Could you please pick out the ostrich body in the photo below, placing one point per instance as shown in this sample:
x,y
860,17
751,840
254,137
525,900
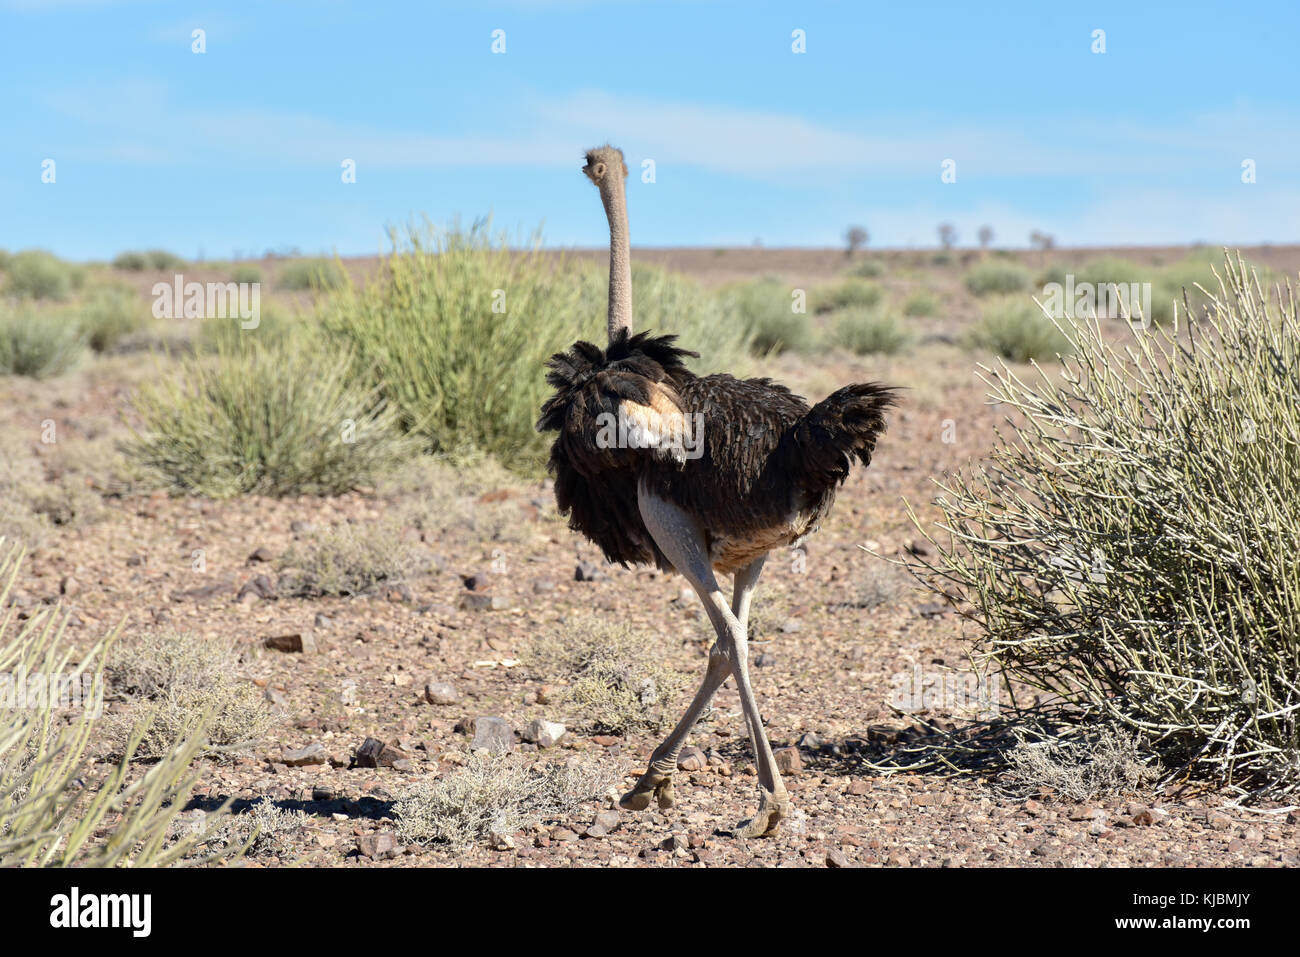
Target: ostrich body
x,y
761,473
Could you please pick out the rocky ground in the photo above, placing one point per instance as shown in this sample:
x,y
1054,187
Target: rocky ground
x,y
374,693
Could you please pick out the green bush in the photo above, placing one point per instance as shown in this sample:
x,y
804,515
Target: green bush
x,y
764,309
316,274
36,274
1000,278
1017,330
847,294
866,332
108,315
872,268
38,343
921,303
1130,547
246,272
268,420
217,334
455,332
159,259
5,257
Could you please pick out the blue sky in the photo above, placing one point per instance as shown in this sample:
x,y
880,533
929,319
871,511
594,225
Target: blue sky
x,y
239,149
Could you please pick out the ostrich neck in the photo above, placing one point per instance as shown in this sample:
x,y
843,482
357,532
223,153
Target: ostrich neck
x,y
620,257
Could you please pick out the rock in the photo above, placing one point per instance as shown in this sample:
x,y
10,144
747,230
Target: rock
x,y
298,643
692,759
203,593
261,554
587,572
563,835
501,841
605,740
788,760
367,756
542,586
1217,819
1142,816
276,697
301,528
377,846
932,609
1098,827
764,661
259,585
314,753
69,586
791,625
544,734
440,692
859,787
493,734
810,742
1084,813
321,621
835,858
484,601
479,581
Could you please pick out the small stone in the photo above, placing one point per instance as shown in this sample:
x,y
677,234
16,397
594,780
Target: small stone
x,y
69,586
692,759
788,761
367,756
322,621
259,585
835,858
501,841
276,697
791,625
1084,813
764,661
542,586
440,692
484,601
544,734
859,787
1098,827
377,846
810,742
1253,834
493,734
1142,816
314,753
298,643
1217,819
477,582
563,835
261,554
587,572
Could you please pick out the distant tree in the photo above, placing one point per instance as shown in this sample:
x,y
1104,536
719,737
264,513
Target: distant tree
x,y
985,236
1042,242
947,235
855,237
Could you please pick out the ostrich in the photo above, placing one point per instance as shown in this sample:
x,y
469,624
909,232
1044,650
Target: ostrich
x,y
763,477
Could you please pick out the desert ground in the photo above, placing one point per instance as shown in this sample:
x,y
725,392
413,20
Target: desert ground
x,y
491,570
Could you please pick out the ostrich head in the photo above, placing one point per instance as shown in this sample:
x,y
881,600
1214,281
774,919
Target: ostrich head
x,y
605,168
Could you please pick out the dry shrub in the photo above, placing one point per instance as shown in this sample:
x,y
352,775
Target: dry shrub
x,y
1103,765
615,678
495,793
1130,546
56,807
349,560
173,678
261,828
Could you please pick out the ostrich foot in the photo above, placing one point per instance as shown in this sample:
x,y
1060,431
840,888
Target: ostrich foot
x,y
772,807
654,783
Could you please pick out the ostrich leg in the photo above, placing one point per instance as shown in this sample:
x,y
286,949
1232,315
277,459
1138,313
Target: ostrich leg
x,y
658,779
682,541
